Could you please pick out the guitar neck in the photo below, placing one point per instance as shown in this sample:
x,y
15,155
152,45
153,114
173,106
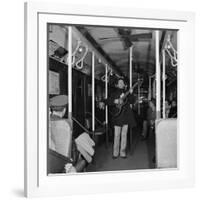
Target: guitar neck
x,y
126,94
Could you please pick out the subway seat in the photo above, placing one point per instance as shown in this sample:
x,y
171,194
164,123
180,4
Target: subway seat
x,y
166,143
60,136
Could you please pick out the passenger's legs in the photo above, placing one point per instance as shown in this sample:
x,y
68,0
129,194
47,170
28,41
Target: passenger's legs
x,y
117,131
123,140
144,129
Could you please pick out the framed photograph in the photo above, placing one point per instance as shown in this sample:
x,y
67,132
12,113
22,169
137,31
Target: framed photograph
x,y
108,99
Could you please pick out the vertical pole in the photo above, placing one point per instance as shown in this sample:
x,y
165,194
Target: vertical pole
x,y
93,93
149,96
154,88
130,65
106,92
69,62
130,82
70,73
157,76
138,97
163,79
106,108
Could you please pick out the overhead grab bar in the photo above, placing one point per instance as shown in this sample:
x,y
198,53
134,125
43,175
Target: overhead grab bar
x,y
173,57
81,59
74,52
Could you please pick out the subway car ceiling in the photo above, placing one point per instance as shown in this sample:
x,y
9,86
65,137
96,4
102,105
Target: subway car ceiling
x,y
114,45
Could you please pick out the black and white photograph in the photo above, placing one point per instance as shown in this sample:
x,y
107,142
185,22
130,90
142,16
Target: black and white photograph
x,y
109,99
112,98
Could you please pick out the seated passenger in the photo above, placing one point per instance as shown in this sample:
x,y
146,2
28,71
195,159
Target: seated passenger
x,y
151,114
144,122
173,110
151,117
167,108
100,112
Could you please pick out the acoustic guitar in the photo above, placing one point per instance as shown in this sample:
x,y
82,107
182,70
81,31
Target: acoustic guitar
x,y
116,111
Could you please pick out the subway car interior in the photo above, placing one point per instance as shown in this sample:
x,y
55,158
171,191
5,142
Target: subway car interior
x,y
85,66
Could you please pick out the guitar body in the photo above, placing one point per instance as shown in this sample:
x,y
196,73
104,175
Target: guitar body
x,y
116,110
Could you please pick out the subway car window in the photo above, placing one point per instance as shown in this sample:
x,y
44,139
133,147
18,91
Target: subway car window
x,y
112,98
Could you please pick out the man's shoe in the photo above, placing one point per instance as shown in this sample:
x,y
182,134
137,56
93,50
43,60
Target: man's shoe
x,y
124,157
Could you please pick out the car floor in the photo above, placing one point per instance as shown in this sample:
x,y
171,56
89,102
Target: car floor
x,y
139,155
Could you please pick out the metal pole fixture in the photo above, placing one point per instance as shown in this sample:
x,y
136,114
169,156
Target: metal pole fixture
x,y
157,75
70,73
93,92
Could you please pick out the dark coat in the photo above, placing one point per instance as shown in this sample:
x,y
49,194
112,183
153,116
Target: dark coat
x,y
151,115
173,112
126,116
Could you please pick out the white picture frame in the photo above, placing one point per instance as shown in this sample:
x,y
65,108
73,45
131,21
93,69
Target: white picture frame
x,y
37,183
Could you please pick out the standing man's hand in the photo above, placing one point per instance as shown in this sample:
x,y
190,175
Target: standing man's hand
x,y
131,90
116,101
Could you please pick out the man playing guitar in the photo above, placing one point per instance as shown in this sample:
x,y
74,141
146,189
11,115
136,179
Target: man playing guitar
x,y
123,119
